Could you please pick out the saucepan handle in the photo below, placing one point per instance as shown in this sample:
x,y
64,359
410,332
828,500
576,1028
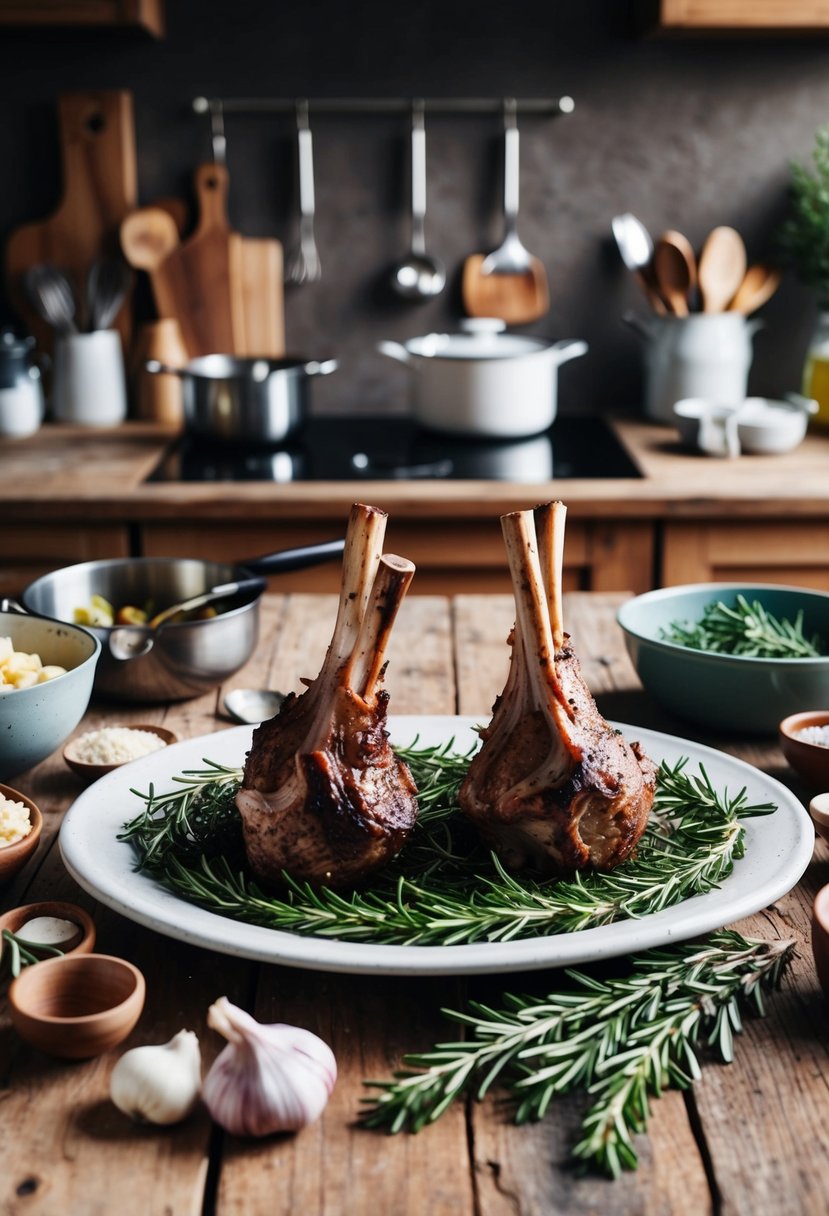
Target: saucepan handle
x,y
295,559
156,368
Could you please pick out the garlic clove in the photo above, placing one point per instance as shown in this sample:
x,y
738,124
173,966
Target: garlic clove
x,y
269,1078
159,1084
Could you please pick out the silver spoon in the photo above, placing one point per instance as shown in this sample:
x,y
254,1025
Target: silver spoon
x,y
419,276
635,246
131,641
252,705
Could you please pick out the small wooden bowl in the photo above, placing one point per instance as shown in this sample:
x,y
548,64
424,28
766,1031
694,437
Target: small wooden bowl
x,y
18,917
809,760
91,772
820,937
77,1006
13,857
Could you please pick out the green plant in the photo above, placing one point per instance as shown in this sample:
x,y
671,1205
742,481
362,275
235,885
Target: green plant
x,y
805,233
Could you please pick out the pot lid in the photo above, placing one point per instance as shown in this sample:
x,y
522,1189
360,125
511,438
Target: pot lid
x,y
482,338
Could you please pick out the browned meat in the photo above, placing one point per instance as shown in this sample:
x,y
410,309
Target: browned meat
x,y
324,797
553,787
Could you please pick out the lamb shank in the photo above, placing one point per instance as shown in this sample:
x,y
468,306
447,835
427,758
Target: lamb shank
x,y
553,787
324,798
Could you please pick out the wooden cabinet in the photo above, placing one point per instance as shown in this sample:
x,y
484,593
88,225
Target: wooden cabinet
x,y
452,556
29,550
753,551
734,16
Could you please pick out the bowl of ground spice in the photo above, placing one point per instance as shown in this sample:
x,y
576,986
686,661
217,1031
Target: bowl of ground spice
x,y
804,740
100,751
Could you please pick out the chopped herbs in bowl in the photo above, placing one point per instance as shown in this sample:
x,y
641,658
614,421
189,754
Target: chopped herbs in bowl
x,y
731,656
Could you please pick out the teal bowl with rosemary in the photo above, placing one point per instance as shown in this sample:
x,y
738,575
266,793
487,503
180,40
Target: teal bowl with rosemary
x,y
720,692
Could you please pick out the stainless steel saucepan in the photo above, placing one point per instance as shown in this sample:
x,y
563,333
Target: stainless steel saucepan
x,y
184,658
245,400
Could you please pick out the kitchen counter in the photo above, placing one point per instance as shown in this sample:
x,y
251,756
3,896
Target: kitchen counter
x,y
73,494
749,1138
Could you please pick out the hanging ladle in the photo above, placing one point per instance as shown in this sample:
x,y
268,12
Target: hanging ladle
x,y
132,641
419,276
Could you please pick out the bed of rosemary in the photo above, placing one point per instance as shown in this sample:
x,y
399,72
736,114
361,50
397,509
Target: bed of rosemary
x,y
444,888
619,1039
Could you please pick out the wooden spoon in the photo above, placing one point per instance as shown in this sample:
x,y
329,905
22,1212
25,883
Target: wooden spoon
x,y
758,286
150,241
148,237
722,268
676,270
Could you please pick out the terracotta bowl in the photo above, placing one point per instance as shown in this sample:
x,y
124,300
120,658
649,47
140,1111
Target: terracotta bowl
x,y
14,856
77,1006
809,760
91,772
820,937
18,917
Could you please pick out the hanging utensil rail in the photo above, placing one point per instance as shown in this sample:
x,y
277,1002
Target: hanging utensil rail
x,y
218,107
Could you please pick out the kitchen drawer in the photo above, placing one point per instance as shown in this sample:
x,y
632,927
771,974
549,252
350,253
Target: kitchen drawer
x,y
751,551
452,556
29,550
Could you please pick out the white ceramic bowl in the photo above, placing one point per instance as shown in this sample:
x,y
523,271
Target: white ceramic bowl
x,y
35,721
761,426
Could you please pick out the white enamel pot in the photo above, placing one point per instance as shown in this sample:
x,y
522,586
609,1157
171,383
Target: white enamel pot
x,y
483,381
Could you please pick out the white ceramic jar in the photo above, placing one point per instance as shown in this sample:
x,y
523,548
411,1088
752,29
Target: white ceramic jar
x,y
89,384
705,355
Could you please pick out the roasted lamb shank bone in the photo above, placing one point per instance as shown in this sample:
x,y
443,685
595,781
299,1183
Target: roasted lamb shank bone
x,y
553,785
324,798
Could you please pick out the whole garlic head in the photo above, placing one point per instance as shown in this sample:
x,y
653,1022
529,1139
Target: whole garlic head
x,y
158,1084
269,1078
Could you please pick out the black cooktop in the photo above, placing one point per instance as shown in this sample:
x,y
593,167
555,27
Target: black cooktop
x,y
373,448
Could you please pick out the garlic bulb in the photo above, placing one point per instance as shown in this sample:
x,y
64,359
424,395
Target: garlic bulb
x,y
158,1084
268,1079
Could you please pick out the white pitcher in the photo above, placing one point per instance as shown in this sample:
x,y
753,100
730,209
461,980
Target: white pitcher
x,y
704,355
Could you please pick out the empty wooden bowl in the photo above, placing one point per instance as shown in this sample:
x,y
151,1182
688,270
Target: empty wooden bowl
x,y
77,1006
809,759
16,920
91,772
820,937
13,857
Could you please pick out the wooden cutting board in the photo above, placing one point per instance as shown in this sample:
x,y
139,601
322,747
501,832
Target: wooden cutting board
x,y
199,271
257,296
97,145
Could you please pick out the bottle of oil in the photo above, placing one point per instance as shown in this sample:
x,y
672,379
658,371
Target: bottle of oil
x,y
816,369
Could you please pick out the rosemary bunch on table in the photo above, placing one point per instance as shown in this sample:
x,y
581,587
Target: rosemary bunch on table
x,y
620,1040
444,888
746,629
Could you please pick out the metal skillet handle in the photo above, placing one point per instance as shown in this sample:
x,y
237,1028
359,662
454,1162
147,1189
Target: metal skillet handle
x,y
296,559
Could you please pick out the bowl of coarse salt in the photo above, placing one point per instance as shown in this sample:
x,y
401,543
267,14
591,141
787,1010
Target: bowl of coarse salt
x,y
804,740
100,751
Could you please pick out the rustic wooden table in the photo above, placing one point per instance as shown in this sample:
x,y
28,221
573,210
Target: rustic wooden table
x,y
752,1137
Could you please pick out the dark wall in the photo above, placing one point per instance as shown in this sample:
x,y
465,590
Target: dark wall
x,y
686,134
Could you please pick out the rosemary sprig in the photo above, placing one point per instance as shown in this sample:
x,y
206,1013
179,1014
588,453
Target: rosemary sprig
x,y
746,629
444,888
622,1040
18,953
